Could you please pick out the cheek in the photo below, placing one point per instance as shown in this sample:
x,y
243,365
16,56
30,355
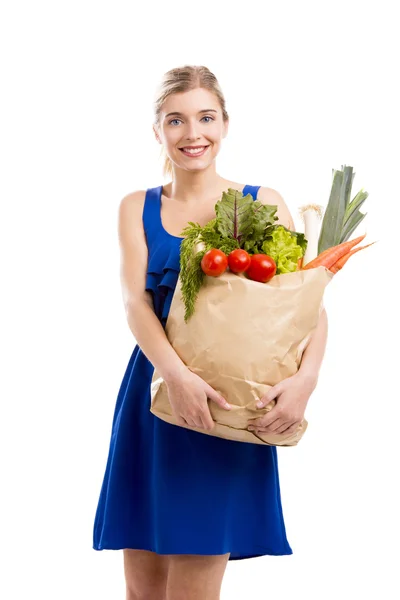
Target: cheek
x,y
215,133
171,137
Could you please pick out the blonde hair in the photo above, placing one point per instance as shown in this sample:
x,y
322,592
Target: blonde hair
x,y
183,79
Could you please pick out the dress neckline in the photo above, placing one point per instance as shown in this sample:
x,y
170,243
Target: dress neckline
x,y
175,237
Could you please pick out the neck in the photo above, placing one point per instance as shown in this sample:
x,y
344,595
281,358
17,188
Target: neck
x,y
191,187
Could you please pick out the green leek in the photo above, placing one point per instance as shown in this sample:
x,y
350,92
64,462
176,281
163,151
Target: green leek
x,y
341,216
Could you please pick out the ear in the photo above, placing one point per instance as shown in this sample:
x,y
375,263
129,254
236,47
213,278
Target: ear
x,y
226,127
156,134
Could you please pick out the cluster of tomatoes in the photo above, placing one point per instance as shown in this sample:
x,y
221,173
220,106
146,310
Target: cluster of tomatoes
x,y
258,267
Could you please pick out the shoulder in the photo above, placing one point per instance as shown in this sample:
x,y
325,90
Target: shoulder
x,y
130,210
267,195
134,200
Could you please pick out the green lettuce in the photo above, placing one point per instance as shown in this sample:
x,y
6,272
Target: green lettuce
x,y
285,247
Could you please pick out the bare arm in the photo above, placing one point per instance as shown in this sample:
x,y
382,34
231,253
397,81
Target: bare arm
x,y
314,352
187,392
138,303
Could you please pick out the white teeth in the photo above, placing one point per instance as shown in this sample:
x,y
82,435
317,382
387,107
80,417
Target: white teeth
x,y
197,151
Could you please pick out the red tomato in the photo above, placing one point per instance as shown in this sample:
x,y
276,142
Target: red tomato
x,y
214,262
262,268
239,261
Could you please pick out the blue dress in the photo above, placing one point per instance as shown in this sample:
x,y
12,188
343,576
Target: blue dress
x,y
172,490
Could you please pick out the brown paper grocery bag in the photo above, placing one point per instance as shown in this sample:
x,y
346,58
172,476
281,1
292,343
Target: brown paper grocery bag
x,y
243,338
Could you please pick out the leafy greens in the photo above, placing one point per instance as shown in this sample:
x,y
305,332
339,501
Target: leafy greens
x,y
285,249
240,222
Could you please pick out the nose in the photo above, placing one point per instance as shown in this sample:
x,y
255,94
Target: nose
x,y
192,133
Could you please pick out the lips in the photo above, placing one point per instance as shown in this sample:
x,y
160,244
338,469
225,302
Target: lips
x,y
193,147
198,151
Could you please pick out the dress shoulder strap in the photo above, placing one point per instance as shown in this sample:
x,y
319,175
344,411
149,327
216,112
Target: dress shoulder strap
x,y
251,189
151,213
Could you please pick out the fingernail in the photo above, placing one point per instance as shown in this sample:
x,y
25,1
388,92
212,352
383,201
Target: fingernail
x,y
227,405
259,404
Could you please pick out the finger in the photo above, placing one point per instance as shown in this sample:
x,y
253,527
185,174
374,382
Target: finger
x,y
269,418
207,418
207,421
181,421
196,421
217,398
273,427
262,426
265,429
191,422
269,396
290,429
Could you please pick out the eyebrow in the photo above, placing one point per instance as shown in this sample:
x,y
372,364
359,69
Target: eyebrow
x,y
181,114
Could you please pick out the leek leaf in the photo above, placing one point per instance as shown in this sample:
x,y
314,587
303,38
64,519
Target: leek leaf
x,y
343,202
327,234
351,225
355,204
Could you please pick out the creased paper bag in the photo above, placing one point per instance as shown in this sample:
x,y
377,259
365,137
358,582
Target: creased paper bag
x,y
243,338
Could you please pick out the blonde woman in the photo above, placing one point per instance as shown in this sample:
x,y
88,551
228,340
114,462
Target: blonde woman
x,y
180,503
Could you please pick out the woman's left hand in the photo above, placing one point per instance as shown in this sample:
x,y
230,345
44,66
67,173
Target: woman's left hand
x,y
292,395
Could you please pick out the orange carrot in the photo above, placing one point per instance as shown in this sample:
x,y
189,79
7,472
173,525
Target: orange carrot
x,y
331,255
299,263
343,260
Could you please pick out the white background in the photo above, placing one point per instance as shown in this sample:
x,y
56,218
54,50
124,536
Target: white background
x,y
309,87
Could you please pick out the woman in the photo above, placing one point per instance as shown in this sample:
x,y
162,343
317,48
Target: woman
x,y
178,502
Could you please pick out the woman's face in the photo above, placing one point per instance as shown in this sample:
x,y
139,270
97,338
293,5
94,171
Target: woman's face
x,y
199,123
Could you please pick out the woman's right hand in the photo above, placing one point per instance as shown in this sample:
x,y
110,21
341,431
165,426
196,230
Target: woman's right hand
x,y
188,394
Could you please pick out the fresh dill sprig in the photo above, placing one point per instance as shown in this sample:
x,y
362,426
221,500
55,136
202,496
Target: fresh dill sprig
x,y
191,283
191,273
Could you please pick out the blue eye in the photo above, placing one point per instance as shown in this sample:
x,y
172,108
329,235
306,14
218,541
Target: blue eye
x,y
206,117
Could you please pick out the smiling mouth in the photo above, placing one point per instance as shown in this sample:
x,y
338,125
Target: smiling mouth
x,y
194,150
